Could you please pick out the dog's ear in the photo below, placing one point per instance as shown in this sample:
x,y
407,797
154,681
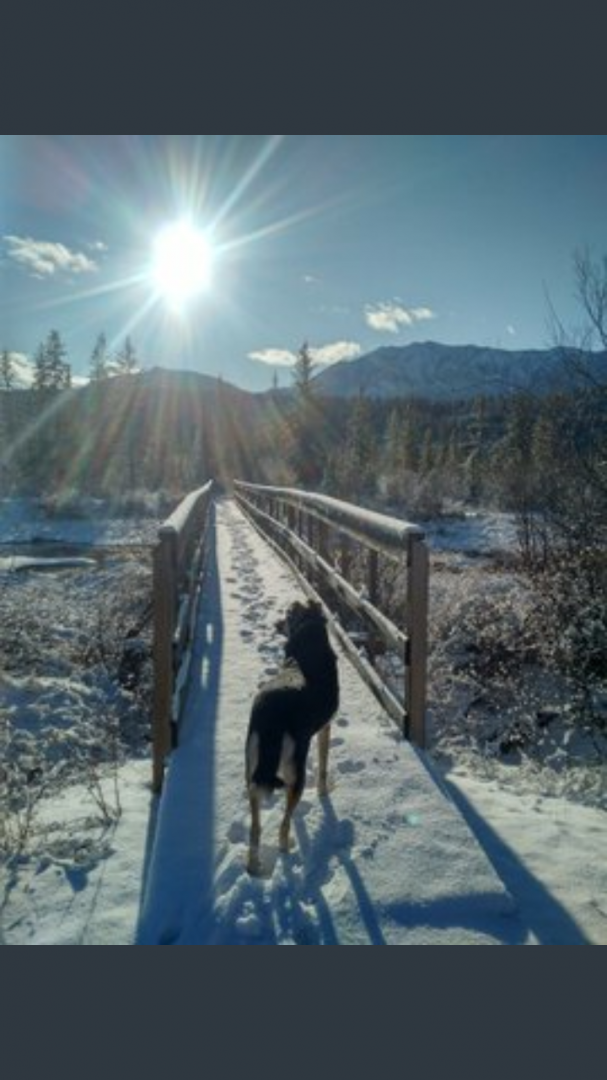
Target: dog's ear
x,y
316,610
290,619
298,614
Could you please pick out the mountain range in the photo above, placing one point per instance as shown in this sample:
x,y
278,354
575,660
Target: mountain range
x,y
428,370
443,372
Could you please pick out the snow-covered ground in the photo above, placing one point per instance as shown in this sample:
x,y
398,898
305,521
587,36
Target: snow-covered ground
x,y
376,863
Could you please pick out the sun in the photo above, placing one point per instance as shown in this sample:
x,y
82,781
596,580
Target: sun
x,y
182,263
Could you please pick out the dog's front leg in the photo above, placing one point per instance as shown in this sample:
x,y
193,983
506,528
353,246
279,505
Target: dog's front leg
x,y
324,737
254,862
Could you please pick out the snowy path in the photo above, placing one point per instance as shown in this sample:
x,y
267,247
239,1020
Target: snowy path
x,y
386,859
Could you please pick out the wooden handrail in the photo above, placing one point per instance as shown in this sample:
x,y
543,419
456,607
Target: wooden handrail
x,y
297,523
384,533
178,561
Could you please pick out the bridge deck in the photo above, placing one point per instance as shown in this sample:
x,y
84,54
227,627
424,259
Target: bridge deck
x,y
385,859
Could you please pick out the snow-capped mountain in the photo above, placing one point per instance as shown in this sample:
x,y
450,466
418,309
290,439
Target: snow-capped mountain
x,y
441,372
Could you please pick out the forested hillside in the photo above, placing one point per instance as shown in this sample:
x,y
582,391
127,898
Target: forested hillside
x,y
163,430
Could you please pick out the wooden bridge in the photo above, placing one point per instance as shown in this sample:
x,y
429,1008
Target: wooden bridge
x,y
385,858
352,560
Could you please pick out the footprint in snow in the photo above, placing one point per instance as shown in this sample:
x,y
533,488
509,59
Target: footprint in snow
x,y
237,833
351,767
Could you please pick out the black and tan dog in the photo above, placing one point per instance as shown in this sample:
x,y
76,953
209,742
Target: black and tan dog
x,y
292,707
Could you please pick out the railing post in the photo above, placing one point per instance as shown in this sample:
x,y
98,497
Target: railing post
x,y
345,558
417,632
322,539
165,600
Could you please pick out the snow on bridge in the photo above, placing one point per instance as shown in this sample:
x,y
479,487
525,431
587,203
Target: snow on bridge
x,y
385,859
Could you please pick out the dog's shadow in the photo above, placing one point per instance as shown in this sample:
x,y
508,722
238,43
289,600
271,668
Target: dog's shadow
x,y
290,901
325,852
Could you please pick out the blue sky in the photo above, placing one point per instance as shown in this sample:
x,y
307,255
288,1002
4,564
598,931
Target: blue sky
x,y
348,241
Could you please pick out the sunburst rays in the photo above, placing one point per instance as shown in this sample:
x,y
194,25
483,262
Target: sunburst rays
x,y
238,188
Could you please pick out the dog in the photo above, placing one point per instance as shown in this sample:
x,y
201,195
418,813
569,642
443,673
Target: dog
x,y
293,706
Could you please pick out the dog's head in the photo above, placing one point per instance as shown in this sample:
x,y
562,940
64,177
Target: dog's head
x,y
298,616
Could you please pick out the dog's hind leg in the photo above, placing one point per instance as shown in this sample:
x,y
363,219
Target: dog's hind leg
x,y
324,737
254,862
284,836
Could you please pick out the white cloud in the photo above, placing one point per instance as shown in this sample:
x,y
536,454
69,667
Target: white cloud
x,y
421,314
389,316
44,259
338,350
322,354
310,279
98,245
511,330
23,369
277,357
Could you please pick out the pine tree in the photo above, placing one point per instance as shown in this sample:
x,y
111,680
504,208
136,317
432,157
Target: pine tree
x,y
401,453
58,370
409,443
41,373
393,445
426,461
7,371
479,422
357,470
126,359
303,373
307,455
99,359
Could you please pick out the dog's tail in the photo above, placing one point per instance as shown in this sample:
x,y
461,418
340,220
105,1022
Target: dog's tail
x,y
263,763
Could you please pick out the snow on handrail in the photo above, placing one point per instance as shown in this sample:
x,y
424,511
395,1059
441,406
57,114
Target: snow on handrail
x,y
388,534
179,518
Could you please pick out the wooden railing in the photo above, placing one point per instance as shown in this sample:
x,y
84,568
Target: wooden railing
x,y
331,544
178,562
